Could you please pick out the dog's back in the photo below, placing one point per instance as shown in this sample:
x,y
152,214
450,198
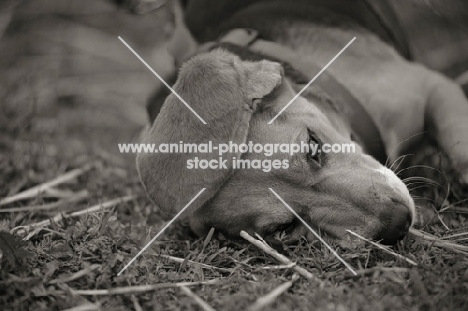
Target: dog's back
x,y
207,19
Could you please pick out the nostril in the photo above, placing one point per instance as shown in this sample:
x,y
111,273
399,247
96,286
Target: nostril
x,y
395,222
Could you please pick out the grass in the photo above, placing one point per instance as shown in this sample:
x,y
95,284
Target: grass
x,y
72,263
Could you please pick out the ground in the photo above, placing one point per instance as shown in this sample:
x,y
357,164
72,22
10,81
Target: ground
x,y
68,109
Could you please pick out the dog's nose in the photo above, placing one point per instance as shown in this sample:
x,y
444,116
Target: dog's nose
x,y
395,222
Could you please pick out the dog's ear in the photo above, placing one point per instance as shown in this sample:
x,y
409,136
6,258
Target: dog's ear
x,y
261,78
222,90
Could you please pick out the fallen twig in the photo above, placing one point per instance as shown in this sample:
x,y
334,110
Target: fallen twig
x,y
76,275
192,262
281,258
75,198
289,266
37,190
84,307
197,299
433,240
137,289
363,272
136,304
455,209
383,248
58,217
452,236
268,299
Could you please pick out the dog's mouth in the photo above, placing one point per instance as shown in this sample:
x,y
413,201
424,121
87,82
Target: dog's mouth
x,y
384,216
345,234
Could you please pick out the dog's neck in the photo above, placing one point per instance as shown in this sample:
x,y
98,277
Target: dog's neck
x,y
208,19
331,109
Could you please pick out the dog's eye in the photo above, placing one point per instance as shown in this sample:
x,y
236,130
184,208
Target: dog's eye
x,y
315,146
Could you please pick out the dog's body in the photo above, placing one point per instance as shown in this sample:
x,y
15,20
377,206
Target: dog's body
x,y
402,98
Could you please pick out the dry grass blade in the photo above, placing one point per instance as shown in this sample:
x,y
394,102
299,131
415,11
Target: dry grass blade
x,y
455,209
383,248
75,198
192,262
84,307
58,217
136,304
268,299
281,258
453,236
137,289
36,190
291,265
363,272
197,299
207,240
76,275
433,240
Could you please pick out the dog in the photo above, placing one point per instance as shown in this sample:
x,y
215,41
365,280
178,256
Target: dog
x,y
371,96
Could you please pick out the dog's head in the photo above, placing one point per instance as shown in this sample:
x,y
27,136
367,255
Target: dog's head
x,y
332,191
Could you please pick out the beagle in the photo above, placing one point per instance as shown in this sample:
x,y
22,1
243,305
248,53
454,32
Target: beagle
x,y
371,96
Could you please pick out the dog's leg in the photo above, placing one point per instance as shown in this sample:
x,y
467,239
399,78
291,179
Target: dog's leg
x,y
447,120
156,101
180,47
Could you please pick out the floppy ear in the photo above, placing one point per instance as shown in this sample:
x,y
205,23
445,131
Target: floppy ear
x,y
221,89
260,77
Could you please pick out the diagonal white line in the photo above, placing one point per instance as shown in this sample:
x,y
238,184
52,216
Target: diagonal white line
x,y
160,232
164,82
314,233
308,84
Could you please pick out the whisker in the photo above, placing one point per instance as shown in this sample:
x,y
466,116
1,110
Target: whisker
x,y
402,157
409,183
451,205
414,183
420,180
442,222
420,166
418,187
403,141
394,161
417,197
